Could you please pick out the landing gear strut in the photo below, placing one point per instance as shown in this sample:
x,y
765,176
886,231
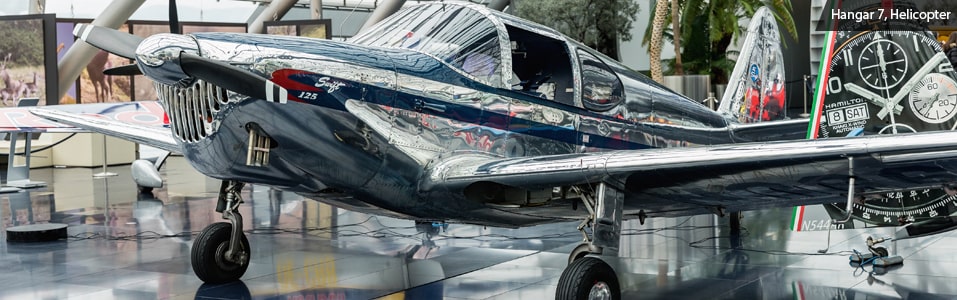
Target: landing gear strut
x,y
220,252
588,277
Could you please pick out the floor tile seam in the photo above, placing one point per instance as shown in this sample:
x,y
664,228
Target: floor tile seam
x,y
849,268
171,295
862,281
113,287
748,282
498,264
459,275
523,285
81,296
304,267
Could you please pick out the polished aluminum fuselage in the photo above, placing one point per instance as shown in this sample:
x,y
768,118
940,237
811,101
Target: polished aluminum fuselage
x,y
365,127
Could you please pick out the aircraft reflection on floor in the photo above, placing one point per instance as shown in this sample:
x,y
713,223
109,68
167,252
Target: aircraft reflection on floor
x,y
131,245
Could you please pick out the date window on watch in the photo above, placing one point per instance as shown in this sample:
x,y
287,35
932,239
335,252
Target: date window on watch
x,y
847,114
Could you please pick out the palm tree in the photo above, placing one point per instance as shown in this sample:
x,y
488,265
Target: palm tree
x,y
708,49
657,25
679,69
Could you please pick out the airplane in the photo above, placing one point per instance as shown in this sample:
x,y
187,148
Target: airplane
x,y
453,112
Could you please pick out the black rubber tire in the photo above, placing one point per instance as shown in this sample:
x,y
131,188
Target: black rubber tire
x,y
207,255
581,275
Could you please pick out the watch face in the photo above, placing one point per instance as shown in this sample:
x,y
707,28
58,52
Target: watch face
x,y
934,98
898,208
881,64
887,82
884,76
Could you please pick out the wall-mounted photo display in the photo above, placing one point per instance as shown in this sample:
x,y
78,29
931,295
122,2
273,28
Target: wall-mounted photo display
x,y
28,59
320,29
93,86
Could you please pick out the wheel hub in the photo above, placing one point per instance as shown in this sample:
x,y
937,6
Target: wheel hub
x,y
600,291
224,262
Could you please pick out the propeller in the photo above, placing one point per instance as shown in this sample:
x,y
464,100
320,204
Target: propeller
x,y
232,78
124,70
110,40
173,18
212,71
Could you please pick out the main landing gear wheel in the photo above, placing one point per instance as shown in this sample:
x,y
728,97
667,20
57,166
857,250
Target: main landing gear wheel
x,y
588,278
208,255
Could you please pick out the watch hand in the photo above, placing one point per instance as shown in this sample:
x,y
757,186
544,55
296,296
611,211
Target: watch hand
x,y
885,90
932,63
930,106
881,61
873,98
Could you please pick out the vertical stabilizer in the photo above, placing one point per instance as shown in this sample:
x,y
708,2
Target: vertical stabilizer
x,y
756,86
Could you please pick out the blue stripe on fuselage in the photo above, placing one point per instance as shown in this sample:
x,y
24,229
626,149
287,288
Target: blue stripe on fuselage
x,y
416,64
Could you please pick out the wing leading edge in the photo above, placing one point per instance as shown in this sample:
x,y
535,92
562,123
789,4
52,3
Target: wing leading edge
x,y
788,172
140,122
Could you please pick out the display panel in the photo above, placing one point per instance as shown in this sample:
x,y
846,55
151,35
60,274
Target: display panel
x,y
214,27
884,72
27,58
320,29
93,86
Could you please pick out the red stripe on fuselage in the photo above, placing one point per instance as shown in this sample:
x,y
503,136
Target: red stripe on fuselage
x,y
283,78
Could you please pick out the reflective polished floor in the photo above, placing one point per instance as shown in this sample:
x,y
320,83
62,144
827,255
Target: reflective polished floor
x,y
126,245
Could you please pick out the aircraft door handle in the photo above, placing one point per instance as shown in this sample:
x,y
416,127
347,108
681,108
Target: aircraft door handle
x,y
421,104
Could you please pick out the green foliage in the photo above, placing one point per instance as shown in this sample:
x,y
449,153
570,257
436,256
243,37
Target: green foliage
x,y
708,54
595,23
23,39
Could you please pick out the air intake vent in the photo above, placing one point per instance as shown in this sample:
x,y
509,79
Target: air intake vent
x,y
192,110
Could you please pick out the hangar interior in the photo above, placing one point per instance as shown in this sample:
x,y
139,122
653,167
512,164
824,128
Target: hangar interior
x,y
123,243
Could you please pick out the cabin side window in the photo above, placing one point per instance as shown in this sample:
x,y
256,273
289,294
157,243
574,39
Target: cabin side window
x,y
601,88
541,66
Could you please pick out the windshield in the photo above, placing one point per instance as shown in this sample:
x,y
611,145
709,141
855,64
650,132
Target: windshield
x,y
458,35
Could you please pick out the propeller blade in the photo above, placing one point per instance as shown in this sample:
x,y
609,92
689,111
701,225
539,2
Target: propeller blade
x,y
232,78
124,70
110,40
173,18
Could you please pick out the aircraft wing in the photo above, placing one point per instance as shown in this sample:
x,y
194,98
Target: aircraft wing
x,y
140,122
738,176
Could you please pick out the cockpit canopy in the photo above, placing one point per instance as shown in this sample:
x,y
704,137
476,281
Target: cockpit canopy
x,y
506,52
472,43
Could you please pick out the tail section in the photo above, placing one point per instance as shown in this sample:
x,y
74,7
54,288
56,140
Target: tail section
x,y
756,87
